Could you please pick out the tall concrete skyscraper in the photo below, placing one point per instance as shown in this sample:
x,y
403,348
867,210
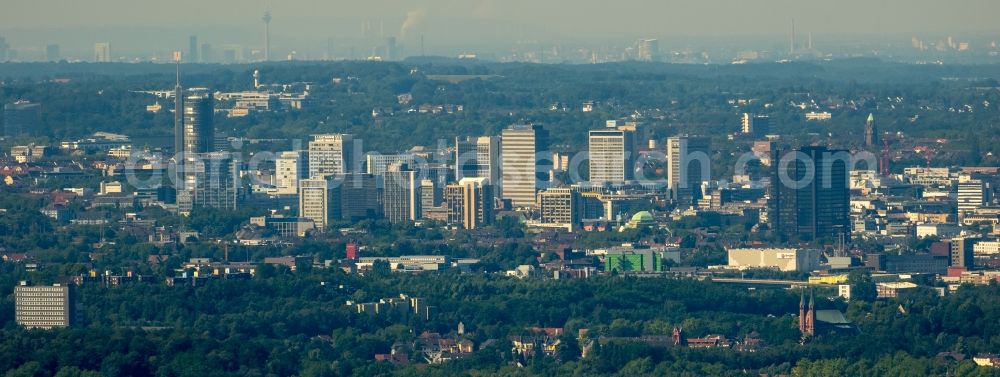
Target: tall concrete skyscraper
x,y
319,201
210,180
688,165
199,129
648,50
612,155
809,195
102,52
332,155
267,35
52,53
488,162
377,164
757,126
478,157
961,252
430,195
970,196
560,207
290,168
391,49
359,197
193,49
401,195
470,202
206,53
522,168
791,43
465,157
178,115
204,179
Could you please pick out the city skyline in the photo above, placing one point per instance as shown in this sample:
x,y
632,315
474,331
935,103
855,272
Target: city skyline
x,y
486,187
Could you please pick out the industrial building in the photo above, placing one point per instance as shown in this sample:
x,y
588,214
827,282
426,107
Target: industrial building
x,y
784,259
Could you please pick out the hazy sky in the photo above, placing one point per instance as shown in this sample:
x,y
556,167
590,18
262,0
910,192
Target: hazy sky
x,y
567,17
473,21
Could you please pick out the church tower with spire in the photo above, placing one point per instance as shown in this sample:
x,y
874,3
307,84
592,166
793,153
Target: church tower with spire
x,y
871,132
811,316
807,317
678,337
802,312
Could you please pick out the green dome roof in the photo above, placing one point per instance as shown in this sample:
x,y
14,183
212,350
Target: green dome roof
x,y
642,217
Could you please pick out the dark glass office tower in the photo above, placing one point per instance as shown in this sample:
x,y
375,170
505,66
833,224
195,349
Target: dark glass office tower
x,y
809,193
199,132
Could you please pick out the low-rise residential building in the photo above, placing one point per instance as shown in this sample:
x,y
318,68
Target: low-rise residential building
x,y
973,277
943,230
285,226
396,307
813,115
893,289
294,263
986,248
437,349
29,153
416,263
991,360
526,345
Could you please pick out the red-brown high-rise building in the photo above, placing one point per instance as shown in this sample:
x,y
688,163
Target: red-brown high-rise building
x,y
352,251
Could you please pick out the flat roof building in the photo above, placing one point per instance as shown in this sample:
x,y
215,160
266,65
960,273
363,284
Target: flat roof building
x,y
319,201
20,117
521,165
784,259
612,155
559,207
44,307
290,167
401,195
688,165
332,155
470,202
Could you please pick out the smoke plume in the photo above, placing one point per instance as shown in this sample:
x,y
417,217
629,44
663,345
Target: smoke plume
x,y
413,18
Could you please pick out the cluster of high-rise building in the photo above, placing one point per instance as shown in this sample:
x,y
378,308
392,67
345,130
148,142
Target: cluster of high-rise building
x,y
206,176
795,193
472,181
333,179
489,173
343,184
625,180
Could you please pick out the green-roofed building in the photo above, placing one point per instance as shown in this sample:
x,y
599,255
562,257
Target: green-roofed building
x,y
625,260
641,219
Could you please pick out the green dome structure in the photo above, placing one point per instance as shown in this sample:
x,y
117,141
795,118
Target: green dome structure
x,y
640,219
